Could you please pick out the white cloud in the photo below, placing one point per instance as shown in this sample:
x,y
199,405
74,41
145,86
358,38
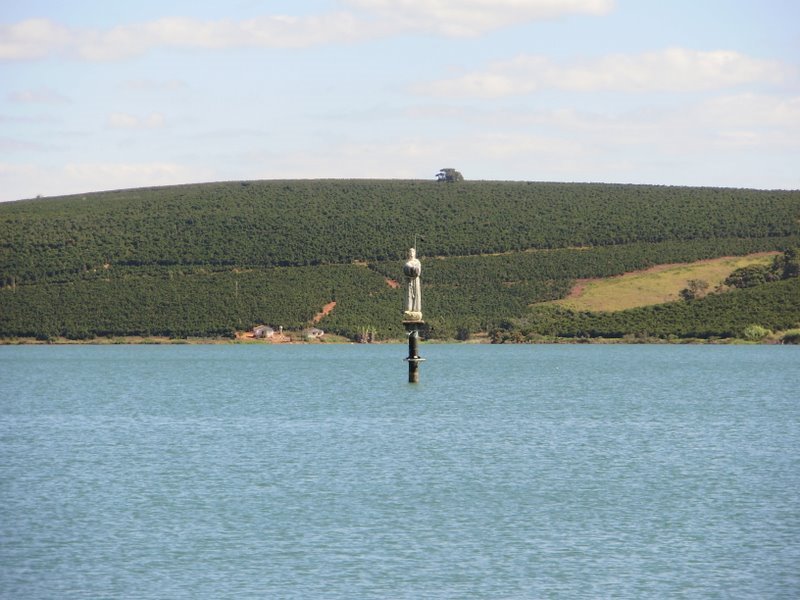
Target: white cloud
x,y
15,180
671,70
9,145
756,120
127,121
33,38
115,175
39,38
417,157
185,32
721,125
155,85
750,121
748,140
475,17
42,95
19,181
758,110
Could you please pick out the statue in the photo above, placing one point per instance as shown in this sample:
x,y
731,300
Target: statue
x,y
412,269
412,315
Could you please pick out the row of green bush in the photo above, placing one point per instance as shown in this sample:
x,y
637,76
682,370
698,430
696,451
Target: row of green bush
x,y
296,223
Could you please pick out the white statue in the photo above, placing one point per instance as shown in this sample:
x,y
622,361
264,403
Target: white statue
x,y
412,269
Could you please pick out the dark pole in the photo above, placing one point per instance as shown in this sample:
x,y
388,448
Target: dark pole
x,y
413,353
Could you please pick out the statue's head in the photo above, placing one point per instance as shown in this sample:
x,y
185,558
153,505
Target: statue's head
x,y
412,267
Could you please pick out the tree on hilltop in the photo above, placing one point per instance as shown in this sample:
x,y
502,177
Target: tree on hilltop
x,y
450,175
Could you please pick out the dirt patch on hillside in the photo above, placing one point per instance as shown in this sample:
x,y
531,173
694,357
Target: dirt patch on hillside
x,y
326,310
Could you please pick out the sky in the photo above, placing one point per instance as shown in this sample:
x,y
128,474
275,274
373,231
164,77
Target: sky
x,y
98,95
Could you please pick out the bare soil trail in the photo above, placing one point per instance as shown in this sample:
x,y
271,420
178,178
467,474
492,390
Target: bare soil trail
x,y
326,310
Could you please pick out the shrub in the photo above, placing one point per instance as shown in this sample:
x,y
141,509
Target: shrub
x,y
750,276
755,333
696,288
791,337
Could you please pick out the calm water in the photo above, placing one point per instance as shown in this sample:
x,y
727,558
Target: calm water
x,y
318,472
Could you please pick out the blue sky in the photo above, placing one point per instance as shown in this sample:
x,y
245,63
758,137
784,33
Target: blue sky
x,y
97,95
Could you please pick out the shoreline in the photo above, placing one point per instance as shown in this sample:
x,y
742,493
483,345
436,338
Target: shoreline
x,y
338,340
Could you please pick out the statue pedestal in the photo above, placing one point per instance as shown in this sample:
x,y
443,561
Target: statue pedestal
x,y
413,328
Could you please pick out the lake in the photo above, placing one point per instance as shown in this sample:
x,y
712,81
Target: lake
x,y
317,471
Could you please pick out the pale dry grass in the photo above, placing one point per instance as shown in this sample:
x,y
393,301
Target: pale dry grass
x,y
656,285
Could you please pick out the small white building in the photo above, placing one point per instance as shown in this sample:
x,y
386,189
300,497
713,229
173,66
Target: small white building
x,y
313,333
263,332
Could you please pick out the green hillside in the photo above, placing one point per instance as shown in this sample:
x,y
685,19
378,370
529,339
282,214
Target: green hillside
x,y
209,259
773,306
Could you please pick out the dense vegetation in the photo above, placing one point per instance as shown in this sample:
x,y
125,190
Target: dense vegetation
x,y
296,223
209,259
783,267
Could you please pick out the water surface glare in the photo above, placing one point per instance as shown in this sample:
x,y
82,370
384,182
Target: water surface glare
x,y
317,472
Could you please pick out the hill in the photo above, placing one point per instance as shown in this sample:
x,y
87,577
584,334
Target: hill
x,y
209,259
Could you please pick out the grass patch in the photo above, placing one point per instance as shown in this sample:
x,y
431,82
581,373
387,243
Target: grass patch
x,y
654,286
